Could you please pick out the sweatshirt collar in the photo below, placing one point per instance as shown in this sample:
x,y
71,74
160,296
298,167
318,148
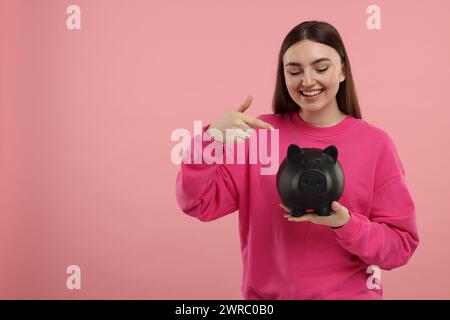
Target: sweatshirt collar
x,y
317,131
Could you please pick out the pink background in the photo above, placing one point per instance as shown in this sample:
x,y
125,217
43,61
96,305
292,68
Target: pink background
x,y
86,116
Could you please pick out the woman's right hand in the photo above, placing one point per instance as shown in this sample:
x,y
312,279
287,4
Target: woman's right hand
x,y
235,126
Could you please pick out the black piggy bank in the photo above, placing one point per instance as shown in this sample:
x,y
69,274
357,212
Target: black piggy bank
x,y
310,179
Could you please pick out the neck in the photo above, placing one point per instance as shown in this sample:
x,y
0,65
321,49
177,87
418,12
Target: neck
x,y
327,116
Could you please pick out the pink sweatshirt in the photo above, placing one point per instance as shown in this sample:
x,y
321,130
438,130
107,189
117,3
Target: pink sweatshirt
x,y
301,260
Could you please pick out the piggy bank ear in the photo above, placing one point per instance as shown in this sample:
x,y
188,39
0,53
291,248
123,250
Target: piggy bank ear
x,y
332,152
293,151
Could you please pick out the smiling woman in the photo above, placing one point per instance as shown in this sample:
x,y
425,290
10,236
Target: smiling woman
x,y
312,256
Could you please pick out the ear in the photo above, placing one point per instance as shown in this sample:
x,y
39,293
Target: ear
x,y
343,75
293,151
332,152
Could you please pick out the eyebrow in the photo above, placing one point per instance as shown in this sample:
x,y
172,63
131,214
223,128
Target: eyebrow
x,y
314,62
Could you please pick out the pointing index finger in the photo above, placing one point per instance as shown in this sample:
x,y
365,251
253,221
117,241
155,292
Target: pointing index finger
x,y
256,122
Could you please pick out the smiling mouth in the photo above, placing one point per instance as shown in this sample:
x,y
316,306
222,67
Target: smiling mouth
x,y
311,93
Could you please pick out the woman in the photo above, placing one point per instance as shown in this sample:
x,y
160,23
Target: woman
x,y
310,257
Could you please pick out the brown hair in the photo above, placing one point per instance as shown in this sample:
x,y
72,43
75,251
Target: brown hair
x,y
325,33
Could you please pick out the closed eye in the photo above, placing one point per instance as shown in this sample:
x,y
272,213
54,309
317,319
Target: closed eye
x,y
319,70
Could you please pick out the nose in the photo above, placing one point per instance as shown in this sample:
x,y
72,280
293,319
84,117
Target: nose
x,y
308,79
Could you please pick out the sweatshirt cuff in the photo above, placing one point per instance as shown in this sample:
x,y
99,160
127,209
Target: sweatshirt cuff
x,y
351,228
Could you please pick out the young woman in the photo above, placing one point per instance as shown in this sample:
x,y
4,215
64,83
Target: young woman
x,y
309,257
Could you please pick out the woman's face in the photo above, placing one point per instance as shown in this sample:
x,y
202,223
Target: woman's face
x,y
308,66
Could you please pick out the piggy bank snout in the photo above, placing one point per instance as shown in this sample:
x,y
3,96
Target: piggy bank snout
x,y
312,182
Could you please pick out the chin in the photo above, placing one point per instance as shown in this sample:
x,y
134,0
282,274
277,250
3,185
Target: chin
x,y
312,108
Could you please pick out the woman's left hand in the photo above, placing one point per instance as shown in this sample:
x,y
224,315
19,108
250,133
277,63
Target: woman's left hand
x,y
339,216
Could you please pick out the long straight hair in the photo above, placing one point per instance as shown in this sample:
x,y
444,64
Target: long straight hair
x,y
325,33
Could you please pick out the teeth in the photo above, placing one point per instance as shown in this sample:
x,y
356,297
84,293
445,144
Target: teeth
x,y
311,93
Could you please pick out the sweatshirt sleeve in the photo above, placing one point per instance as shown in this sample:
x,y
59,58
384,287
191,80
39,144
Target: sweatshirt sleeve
x,y
389,237
206,190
